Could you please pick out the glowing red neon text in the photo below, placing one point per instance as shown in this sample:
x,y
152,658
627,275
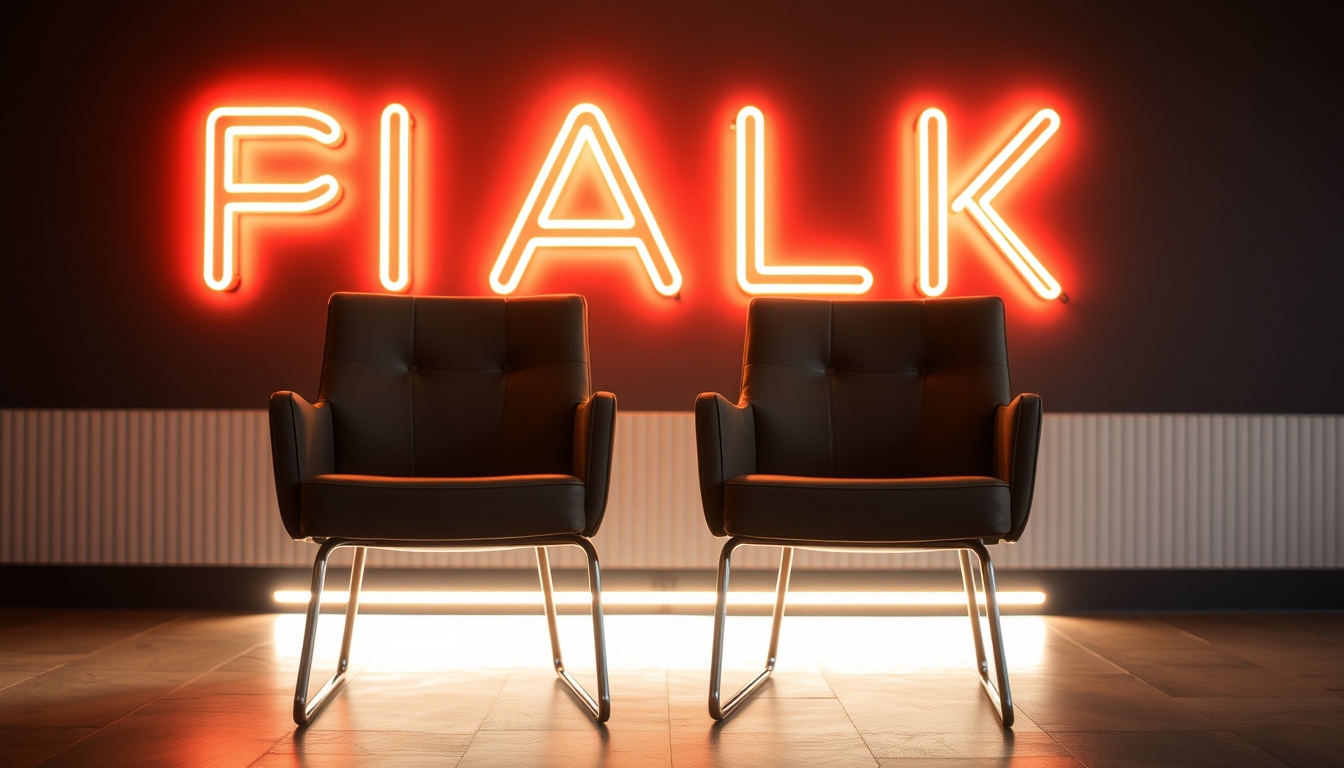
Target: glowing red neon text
x,y
586,130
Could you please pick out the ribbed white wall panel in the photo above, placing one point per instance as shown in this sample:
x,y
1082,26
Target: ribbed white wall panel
x,y
1113,491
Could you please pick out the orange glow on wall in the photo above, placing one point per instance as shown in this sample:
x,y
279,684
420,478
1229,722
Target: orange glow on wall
x,y
750,127
1041,126
594,135
220,223
394,201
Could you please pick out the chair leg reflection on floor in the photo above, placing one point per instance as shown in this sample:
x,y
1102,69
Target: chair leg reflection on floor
x,y
599,707
996,688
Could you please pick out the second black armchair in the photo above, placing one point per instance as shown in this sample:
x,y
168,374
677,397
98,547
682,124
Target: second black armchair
x,y
877,426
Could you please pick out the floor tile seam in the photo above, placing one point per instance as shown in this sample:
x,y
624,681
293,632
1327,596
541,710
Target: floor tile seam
x,y
1064,747
1290,675
1067,752
1224,731
476,732
850,718
1293,675
667,701
37,623
130,638
1186,632
3,688
1268,622
1275,627
275,744
1278,622
1255,747
1284,675
101,648
1084,648
161,697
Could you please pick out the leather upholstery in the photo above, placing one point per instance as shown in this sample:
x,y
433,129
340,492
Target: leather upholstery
x,y
594,433
1017,438
837,509
470,387
726,439
300,448
364,506
846,396
417,392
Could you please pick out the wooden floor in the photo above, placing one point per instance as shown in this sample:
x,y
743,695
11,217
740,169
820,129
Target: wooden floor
x,y
111,688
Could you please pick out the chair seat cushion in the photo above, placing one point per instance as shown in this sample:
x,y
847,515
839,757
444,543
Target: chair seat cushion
x,y
375,507
843,509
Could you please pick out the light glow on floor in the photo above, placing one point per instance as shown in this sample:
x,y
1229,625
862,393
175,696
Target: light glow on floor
x,y
397,644
655,598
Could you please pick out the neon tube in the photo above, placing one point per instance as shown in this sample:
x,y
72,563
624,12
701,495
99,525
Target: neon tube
x,y
403,199
992,223
751,165
937,207
655,599
586,136
330,135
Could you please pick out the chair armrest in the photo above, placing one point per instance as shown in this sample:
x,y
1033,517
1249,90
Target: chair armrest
x,y
725,442
301,447
594,433
1017,438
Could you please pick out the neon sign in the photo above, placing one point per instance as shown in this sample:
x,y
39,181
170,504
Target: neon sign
x,y
991,222
932,203
664,274
221,262
750,126
586,133
401,201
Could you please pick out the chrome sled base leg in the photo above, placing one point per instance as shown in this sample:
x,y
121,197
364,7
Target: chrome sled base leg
x,y
719,709
599,708
997,688
306,709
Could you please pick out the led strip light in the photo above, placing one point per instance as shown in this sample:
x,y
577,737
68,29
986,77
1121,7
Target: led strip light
x,y
654,599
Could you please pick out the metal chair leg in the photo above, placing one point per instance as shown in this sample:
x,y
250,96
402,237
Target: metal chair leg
x,y
304,709
600,708
718,710
998,690
973,611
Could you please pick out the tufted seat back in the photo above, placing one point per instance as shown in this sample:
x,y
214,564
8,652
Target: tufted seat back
x,y
454,387
875,389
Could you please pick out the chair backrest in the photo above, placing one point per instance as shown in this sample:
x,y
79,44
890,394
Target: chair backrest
x,y
454,387
875,388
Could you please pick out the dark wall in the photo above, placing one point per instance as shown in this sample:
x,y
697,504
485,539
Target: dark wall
x,y
1190,204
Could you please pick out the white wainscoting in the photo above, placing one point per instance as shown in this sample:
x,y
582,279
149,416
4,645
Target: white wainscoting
x,y
1113,491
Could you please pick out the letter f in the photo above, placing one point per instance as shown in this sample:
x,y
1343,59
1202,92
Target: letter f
x,y
221,261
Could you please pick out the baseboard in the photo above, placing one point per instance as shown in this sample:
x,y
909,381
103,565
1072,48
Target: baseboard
x,y
1067,591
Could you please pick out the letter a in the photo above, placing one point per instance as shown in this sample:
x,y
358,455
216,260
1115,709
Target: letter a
x,y
638,224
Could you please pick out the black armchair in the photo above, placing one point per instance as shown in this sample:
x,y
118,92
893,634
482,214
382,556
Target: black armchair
x,y
878,426
447,423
